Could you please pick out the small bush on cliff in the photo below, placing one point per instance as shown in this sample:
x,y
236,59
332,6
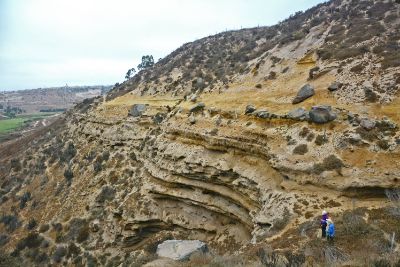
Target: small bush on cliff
x,y
354,224
24,199
321,139
44,228
31,224
328,164
280,223
370,95
106,155
11,222
97,167
7,260
59,253
68,153
68,175
15,165
57,227
32,240
4,240
107,193
304,132
73,250
383,144
300,149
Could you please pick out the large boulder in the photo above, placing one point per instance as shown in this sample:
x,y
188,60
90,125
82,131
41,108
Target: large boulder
x,y
305,92
263,114
180,249
249,109
367,124
137,110
334,86
322,114
193,98
298,114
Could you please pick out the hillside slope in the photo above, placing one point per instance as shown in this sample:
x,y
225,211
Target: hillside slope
x,y
217,143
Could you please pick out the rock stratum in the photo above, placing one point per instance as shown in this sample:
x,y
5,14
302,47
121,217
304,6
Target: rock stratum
x,y
239,140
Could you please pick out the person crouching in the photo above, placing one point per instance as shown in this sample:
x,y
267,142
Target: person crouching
x,y
330,230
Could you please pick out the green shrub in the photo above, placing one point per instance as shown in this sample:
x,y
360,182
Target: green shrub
x,y
367,135
31,224
357,68
78,230
32,240
44,228
280,223
304,132
310,137
24,199
106,155
354,224
11,222
383,144
370,95
73,250
83,234
107,193
8,260
300,149
59,253
330,163
57,227
97,167
4,240
68,175
68,153
59,237
15,165
321,139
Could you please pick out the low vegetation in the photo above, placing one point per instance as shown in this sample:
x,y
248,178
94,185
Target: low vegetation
x,y
300,149
330,163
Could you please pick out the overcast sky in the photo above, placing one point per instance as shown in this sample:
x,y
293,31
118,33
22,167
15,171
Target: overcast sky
x,y
47,43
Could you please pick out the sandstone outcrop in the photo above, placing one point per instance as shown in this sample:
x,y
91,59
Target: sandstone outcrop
x,y
180,249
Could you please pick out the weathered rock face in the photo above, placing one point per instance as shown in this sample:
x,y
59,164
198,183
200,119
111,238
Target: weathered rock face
x,y
305,92
180,249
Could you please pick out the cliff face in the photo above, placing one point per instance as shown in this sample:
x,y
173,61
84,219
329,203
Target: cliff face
x,y
208,145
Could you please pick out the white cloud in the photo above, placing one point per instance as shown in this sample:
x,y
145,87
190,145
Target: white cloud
x,y
53,42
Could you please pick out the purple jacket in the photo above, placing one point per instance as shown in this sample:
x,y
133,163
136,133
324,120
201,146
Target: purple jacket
x,y
323,220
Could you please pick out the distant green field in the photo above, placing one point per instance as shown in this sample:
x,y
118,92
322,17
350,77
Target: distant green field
x,y
10,125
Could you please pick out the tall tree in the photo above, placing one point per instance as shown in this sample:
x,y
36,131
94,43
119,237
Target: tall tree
x,y
147,62
130,73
